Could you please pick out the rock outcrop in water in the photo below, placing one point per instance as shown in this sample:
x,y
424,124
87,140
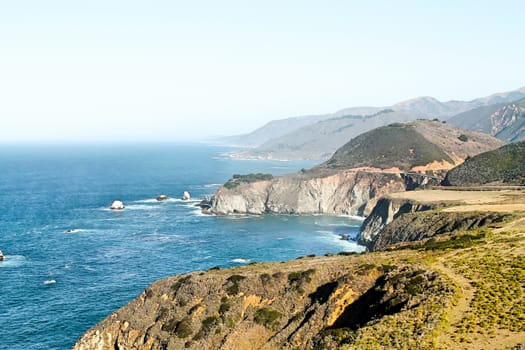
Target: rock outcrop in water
x,y
388,159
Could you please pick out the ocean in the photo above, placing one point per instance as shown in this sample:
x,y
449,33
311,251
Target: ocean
x,y
70,261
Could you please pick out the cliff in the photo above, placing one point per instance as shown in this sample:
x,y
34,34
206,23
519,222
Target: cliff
x,y
461,291
400,218
387,210
352,192
304,304
391,158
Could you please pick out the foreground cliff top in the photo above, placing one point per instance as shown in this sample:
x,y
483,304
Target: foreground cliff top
x,y
460,290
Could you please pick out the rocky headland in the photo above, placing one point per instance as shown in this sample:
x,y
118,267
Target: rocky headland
x,y
393,158
447,277
445,268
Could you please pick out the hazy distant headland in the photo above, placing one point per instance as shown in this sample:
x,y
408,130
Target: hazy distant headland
x,y
317,137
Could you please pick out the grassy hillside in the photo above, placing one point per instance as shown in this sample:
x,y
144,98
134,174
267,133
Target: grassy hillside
x,y
396,145
320,140
505,165
461,290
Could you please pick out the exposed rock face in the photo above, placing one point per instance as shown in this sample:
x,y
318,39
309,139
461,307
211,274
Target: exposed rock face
x,y
387,210
504,121
352,192
393,158
414,227
295,305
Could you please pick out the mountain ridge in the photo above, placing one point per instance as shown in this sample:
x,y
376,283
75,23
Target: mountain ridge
x,y
319,138
505,121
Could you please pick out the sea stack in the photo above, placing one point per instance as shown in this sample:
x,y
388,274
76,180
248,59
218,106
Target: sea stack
x,y
162,197
1,256
186,196
117,205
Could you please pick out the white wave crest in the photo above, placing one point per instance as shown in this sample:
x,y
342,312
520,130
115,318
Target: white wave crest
x,y
50,281
12,261
241,260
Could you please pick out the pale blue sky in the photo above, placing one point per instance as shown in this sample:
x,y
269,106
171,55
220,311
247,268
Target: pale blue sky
x,y
180,70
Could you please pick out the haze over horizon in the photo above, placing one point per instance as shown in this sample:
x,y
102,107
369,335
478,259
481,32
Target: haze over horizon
x,y
179,71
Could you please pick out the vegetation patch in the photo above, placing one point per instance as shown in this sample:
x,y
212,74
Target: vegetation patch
x,y
395,145
267,317
301,277
498,301
455,241
248,178
176,286
234,280
504,165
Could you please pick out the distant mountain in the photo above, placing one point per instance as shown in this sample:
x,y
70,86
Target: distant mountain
x,y
280,127
505,165
320,140
318,137
505,121
420,146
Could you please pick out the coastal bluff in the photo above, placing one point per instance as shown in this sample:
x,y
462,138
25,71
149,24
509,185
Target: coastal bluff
x,y
459,288
393,158
349,192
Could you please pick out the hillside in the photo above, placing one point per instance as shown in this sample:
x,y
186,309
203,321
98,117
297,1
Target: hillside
x,y
505,121
411,146
456,290
387,159
281,127
318,137
320,140
503,166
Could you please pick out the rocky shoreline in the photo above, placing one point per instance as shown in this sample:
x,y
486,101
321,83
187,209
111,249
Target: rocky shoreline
x,y
349,192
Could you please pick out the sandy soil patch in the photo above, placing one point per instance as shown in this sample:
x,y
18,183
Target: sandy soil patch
x,y
508,197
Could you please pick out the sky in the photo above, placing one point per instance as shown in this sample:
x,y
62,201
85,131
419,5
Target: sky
x,y
103,70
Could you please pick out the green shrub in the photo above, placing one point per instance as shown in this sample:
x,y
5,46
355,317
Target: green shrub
x,y
265,278
463,138
224,307
175,287
183,328
300,277
267,317
234,280
238,179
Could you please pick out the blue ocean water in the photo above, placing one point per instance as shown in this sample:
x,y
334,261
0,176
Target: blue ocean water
x,y
55,285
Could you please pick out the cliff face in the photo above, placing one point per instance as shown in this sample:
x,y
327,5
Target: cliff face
x,y
466,293
387,210
305,304
413,227
383,160
352,192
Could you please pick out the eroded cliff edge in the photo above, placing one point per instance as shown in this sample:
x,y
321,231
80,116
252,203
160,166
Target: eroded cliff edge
x,y
351,192
304,304
397,157
458,289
